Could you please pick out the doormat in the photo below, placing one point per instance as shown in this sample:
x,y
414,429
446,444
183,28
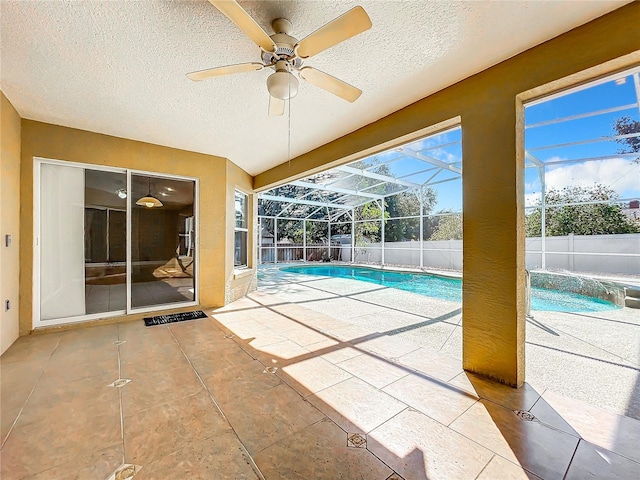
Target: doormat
x,y
174,317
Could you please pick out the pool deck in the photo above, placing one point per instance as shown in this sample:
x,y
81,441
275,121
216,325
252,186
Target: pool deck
x,y
591,357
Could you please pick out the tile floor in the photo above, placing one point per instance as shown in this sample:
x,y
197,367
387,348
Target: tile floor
x,y
270,389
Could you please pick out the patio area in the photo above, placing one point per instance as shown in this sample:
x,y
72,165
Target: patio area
x,y
315,378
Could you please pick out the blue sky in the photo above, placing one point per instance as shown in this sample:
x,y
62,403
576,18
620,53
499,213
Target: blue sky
x,y
619,173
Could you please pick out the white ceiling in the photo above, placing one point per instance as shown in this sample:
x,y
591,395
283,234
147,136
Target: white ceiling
x,y
118,67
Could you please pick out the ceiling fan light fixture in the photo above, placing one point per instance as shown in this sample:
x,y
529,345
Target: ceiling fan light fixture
x,y
282,85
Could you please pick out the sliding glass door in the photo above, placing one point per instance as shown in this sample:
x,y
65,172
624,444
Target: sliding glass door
x,y
162,241
109,242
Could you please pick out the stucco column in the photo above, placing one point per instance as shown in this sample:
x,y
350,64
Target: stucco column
x,y
493,309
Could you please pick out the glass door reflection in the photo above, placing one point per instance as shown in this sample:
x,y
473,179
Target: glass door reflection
x,y
162,241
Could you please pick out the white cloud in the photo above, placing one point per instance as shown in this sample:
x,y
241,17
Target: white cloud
x,y
620,174
531,199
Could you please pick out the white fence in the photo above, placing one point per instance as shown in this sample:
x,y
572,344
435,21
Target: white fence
x,y
610,254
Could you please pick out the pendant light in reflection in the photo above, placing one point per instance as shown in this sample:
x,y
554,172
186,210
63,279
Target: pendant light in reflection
x,y
149,201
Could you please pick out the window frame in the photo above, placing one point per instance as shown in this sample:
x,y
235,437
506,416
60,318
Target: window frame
x,y
238,229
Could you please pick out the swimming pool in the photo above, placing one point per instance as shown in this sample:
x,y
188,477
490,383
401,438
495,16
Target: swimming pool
x,y
448,288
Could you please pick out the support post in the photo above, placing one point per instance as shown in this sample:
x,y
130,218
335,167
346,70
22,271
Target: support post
x,y
493,288
275,239
421,231
543,217
382,204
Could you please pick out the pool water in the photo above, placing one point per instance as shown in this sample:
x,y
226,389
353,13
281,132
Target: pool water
x,y
451,288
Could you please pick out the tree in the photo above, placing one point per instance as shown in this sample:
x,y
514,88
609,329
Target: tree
x,y
626,126
407,204
590,219
448,227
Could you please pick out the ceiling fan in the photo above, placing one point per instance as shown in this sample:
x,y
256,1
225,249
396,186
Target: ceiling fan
x,y
286,54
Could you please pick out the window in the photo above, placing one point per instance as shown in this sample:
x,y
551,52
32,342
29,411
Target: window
x,y
241,231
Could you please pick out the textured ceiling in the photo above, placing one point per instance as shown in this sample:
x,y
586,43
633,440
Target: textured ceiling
x,y
118,67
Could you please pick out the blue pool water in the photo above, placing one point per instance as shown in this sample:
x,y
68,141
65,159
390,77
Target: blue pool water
x,y
451,288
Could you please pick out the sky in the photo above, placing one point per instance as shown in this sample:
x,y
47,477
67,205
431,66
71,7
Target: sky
x,y
546,142
619,173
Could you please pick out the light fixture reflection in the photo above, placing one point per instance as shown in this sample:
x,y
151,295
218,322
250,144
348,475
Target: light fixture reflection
x,y
149,201
122,193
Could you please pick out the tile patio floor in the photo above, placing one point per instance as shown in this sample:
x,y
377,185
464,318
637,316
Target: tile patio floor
x,y
267,388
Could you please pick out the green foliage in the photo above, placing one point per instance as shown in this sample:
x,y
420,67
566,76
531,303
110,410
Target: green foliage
x,y
448,228
594,219
368,230
625,126
407,204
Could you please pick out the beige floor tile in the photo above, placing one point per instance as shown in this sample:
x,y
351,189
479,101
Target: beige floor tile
x,y
420,448
211,361
262,339
83,398
297,313
591,461
7,419
304,336
153,389
201,330
266,298
605,429
274,414
59,440
343,352
101,465
71,364
242,382
31,348
312,375
279,354
352,333
539,449
240,304
274,320
499,468
432,363
18,380
373,370
325,323
90,337
178,425
151,358
214,458
388,346
356,406
323,446
324,346
431,396
521,398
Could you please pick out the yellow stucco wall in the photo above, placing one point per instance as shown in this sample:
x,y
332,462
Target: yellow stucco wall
x,y
240,282
9,220
493,200
43,140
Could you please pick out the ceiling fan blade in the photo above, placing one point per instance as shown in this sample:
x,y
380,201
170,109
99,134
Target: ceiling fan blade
x,y
276,106
330,84
348,25
227,70
234,12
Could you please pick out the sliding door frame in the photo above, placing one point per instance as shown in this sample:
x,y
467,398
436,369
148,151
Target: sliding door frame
x,y
37,322
196,214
